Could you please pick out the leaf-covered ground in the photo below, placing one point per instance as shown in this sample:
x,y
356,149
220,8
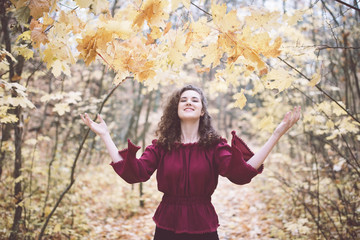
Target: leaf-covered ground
x,y
111,207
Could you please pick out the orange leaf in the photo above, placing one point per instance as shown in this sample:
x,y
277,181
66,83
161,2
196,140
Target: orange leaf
x,y
142,76
167,28
152,11
87,49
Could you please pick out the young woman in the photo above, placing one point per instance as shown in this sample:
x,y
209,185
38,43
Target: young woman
x,y
189,156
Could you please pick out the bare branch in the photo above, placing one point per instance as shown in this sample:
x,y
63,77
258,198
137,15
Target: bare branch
x,y
348,5
201,9
322,47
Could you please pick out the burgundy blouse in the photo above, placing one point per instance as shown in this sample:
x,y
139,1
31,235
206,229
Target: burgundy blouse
x,y
188,176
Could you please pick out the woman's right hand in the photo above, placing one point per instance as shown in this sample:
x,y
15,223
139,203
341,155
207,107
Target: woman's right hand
x,y
100,129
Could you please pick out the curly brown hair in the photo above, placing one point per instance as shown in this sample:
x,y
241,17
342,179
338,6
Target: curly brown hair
x,y
169,128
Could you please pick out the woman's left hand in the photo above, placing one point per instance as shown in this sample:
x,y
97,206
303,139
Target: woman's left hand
x,y
289,120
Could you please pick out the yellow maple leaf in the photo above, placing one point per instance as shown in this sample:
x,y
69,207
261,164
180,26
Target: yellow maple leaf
x,y
47,20
175,4
60,66
240,99
155,32
83,3
315,79
261,19
225,21
71,20
267,124
295,17
273,50
120,76
212,55
24,51
254,57
144,75
197,32
176,50
61,108
25,36
280,79
97,6
5,116
20,101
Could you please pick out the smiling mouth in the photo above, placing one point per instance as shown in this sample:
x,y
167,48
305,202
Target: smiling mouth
x,y
186,109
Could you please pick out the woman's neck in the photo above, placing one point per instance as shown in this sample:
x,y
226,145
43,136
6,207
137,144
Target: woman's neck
x,y
189,132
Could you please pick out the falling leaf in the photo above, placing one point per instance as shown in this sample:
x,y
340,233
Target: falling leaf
x,y
240,99
267,124
279,78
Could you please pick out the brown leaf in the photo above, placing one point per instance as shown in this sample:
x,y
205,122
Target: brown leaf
x,y
37,33
38,7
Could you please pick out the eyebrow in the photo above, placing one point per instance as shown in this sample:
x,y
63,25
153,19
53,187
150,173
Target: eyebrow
x,y
191,97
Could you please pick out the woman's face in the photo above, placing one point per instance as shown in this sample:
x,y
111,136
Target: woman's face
x,y
190,106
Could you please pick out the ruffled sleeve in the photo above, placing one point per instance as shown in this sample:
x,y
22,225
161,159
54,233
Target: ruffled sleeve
x,y
232,161
134,170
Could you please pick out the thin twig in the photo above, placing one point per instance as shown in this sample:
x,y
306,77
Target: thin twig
x,y
320,89
201,9
348,5
322,47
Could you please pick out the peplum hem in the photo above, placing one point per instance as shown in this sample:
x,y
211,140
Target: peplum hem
x,y
194,215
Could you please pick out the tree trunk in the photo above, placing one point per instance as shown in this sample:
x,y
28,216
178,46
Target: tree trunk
x,y
17,173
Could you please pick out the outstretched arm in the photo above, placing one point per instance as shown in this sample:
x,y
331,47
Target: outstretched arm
x,y
289,120
101,129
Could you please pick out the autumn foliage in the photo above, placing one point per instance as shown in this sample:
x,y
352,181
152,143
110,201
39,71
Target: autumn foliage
x,y
60,58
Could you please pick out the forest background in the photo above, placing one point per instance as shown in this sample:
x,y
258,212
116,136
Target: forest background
x,y
254,59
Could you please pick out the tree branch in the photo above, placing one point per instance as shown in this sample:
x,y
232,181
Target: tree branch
x,y
348,5
322,47
321,90
201,9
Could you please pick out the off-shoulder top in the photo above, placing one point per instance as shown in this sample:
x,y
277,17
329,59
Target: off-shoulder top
x,y
188,176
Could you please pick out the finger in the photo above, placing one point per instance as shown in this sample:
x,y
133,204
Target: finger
x,y
84,119
287,116
294,116
88,119
100,118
